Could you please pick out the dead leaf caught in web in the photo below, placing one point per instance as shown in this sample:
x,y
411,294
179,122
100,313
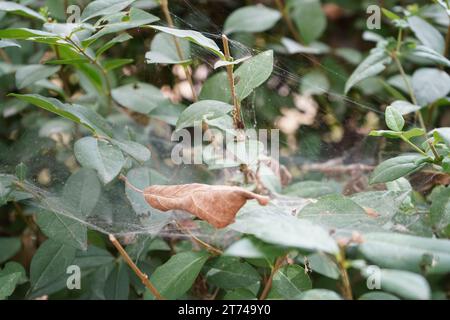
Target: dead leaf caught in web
x,y
218,205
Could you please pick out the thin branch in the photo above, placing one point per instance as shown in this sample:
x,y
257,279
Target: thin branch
x,y
100,67
238,123
134,267
187,70
288,21
346,287
414,146
268,285
208,247
128,184
5,56
414,100
62,74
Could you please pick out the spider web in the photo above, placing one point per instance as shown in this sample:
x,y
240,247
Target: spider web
x,y
119,211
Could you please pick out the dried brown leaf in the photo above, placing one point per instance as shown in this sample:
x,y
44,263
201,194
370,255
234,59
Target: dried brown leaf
x,y
218,205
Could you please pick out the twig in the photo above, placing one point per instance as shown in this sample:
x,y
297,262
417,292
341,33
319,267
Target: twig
x,y
268,285
5,56
187,70
236,103
128,184
201,242
100,67
62,74
134,267
414,100
291,27
346,287
288,21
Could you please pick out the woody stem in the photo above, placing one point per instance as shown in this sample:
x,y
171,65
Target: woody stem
x,y
134,267
187,70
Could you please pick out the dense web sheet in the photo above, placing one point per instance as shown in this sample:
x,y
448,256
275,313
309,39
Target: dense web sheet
x,y
82,201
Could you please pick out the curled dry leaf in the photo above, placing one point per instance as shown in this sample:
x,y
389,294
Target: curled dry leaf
x,y
218,205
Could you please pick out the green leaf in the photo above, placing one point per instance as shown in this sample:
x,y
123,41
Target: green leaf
x,y
374,64
344,215
404,284
240,294
104,7
74,61
112,64
440,209
49,263
214,88
394,119
386,133
397,167
332,204
120,22
21,171
293,47
8,43
256,18
314,82
193,36
430,85
9,247
312,189
385,203
118,39
323,265
427,34
21,10
319,294
117,286
405,252
444,134
82,191
229,273
62,229
252,248
272,225
13,274
201,111
423,52
93,257
223,63
404,107
106,159
77,113
390,15
33,35
309,19
377,295
163,50
28,75
139,97
133,149
176,276
168,113
142,178
81,194
415,132
253,73
350,55
290,281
